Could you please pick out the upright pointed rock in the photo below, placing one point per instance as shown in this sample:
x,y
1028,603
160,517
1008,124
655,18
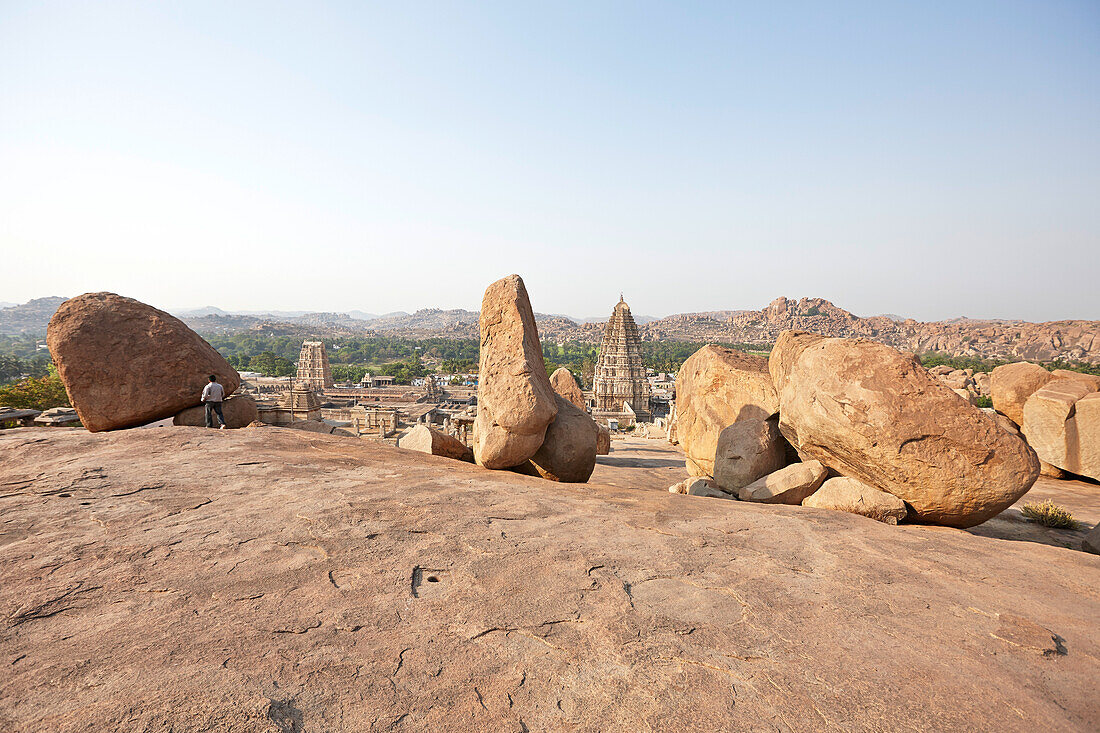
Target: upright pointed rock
x,y
515,402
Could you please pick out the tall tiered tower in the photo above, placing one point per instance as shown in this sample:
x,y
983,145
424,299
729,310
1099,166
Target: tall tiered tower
x,y
313,368
620,375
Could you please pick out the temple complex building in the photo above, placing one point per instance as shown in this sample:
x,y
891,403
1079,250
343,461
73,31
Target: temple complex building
x,y
619,384
300,403
313,368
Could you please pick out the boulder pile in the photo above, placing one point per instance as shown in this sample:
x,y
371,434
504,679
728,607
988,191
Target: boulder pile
x,y
899,443
125,363
1057,412
522,423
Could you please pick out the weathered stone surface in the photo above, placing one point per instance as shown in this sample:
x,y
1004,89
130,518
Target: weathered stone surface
x,y
844,494
967,395
239,411
565,384
318,426
1091,541
1045,469
433,442
569,451
1010,386
603,440
697,486
1062,424
788,485
1091,380
266,580
125,363
747,450
515,402
715,388
875,414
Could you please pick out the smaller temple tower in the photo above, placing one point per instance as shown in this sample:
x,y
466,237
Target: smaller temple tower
x,y
620,383
313,368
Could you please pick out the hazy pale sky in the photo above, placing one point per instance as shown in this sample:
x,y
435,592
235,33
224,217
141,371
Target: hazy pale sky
x,y
928,159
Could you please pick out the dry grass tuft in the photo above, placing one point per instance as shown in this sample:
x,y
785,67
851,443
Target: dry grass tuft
x,y
1049,514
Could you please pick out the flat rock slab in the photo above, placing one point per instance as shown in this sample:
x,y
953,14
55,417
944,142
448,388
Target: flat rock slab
x,y
190,579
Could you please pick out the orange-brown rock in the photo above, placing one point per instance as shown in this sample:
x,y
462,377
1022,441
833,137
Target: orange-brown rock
x,y
239,411
789,485
1091,380
569,451
1062,424
874,414
715,388
429,440
515,400
275,580
603,440
565,384
125,363
845,494
1010,386
748,450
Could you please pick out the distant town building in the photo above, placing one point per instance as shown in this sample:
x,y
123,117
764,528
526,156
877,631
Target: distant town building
x,y
313,368
619,384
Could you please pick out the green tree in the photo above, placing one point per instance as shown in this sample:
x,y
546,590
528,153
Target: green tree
x,y
36,393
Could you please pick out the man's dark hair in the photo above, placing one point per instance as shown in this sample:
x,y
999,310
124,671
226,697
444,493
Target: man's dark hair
x,y
213,377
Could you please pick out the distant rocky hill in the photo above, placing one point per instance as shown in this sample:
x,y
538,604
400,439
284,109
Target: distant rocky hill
x,y
30,317
1068,340
1000,339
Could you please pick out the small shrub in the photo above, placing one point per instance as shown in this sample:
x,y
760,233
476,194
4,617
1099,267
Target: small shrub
x,y
983,401
1049,514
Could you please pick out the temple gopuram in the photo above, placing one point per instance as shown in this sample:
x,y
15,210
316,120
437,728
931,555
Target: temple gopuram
x,y
620,385
313,368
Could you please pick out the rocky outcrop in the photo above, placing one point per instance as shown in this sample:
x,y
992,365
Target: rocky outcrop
x,y
515,400
747,450
1062,424
603,440
843,494
317,426
695,486
565,384
874,414
1091,541
239,411
568,453
1011,385
125,363
273,580
715,388
789,485
424,439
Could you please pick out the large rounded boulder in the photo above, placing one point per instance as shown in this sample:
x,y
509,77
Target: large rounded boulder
x,y
874,414
125,363
568,453
715,388
515,402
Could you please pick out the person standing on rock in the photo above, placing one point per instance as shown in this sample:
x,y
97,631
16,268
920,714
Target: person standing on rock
x,y
212,396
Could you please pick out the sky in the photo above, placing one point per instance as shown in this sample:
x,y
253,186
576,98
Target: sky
x,y
931,160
